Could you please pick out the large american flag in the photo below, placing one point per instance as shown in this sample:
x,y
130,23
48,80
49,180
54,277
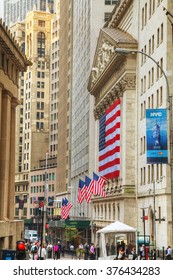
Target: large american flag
x,y
109,142
65,208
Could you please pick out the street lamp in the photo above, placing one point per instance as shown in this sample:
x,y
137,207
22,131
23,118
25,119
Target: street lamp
x,y
169,100
44,209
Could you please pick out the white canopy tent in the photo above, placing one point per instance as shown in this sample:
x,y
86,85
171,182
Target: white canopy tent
x,y
117,228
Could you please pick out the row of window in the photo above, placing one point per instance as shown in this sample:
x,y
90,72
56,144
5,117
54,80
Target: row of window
x,y
110,2
17,198
148,10
150,102
41,177
41,64
55,85
109,212
37,211
39,125
24,212
151,44
153,172
21,188
146,83
54,148
54,117
41,189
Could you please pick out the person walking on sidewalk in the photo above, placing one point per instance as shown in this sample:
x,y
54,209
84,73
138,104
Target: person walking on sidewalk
x,y
55,251
49,250
86,250
42,252
72,250
80,250
92,252
168,253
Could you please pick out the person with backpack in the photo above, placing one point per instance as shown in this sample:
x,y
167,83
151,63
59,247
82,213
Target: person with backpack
x,y
55,251
34,250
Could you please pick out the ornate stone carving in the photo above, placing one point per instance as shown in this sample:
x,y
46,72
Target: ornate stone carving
x,y
106,51
127,82
122,7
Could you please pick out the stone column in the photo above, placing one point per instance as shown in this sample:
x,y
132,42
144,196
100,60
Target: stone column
x,y
112,214
5,154
0,109
11,190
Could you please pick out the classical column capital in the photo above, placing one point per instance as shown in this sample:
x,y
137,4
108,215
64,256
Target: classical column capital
x,y
127,82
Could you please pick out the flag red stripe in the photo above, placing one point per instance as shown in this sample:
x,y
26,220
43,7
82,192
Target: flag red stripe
x,y
109,164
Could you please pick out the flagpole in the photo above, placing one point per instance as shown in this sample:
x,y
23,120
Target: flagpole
x,y
45,201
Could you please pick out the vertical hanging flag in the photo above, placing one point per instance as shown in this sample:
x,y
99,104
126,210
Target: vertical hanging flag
x,y
156,136
81,191
65,208
98,185
89,188
109,142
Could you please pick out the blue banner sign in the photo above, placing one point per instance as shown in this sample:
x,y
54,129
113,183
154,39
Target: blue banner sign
x,y
156,136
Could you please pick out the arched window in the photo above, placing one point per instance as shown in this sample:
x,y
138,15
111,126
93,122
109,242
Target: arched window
x,y
41,44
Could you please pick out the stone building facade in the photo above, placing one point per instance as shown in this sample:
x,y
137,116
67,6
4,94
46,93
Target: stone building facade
x,y
110,80
12,62
140,85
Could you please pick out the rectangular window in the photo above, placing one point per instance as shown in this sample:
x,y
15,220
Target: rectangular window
x,y
161,96
161,65
158,37
110,2
157,98
152,75
107,16
161,33
145,14
152,43
150,8
148,173
41,23
142,18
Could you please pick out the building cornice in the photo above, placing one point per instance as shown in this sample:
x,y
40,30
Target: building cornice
x,y
127,82
12,48
118,13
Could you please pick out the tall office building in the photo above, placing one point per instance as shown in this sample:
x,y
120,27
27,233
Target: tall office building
x,y
34,109
88,18
16,10
59,144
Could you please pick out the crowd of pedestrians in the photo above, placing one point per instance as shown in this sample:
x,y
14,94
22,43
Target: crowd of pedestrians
x,y
57,250
86,251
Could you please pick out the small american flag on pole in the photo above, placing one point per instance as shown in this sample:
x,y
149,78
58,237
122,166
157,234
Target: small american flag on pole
x,y
81,191
65,208
109,142
89,188
98,185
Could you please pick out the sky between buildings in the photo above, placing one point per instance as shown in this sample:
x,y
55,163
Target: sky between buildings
x,y
1,8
